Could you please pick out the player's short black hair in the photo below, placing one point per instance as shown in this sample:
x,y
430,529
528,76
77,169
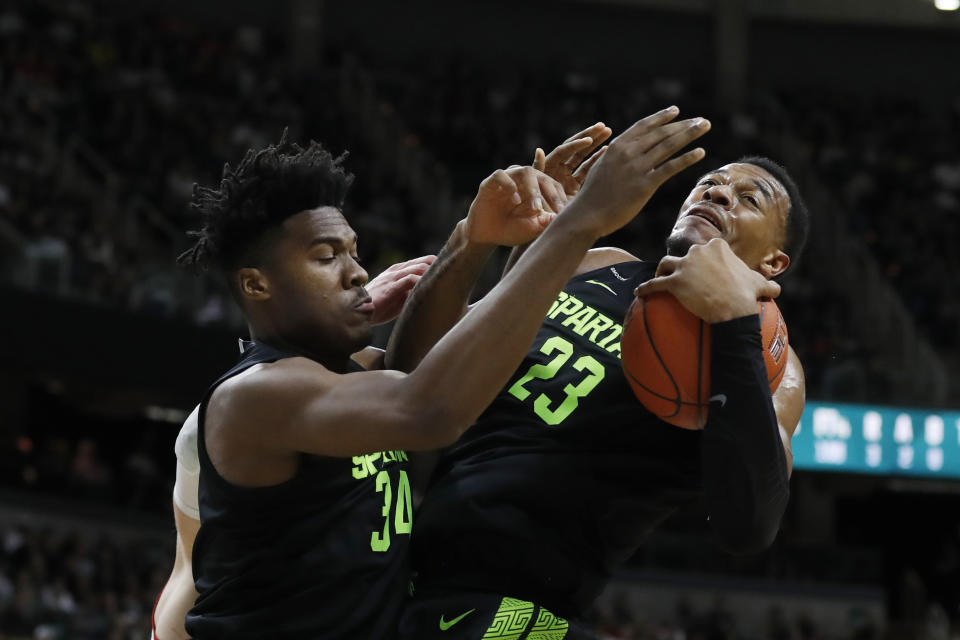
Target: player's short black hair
x,y
798,217
267,187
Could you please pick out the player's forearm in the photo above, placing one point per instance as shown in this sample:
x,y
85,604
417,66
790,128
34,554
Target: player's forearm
x,y
438,301
744,466
467,368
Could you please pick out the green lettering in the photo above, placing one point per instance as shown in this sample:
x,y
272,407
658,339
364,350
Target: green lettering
x,y
617,330
567,307
360,470
560,298
599,323
369,460
614,347
579,319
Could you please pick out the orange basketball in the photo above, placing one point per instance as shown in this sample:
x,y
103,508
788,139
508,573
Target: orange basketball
x,y
666,357
774,339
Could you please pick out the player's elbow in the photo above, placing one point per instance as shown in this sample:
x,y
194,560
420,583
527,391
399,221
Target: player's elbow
x,y
743,541
744,533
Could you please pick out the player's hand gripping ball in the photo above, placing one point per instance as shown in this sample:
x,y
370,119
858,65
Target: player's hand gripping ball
x,y
666,356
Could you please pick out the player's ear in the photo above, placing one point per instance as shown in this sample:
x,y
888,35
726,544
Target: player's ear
x,y
253,284
774,263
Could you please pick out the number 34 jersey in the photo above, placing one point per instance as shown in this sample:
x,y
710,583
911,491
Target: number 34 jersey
x,y
322,555
566,472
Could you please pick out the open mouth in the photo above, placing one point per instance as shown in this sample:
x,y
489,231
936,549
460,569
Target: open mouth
x,y
709,216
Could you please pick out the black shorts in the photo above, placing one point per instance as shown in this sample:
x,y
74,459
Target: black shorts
x,y
445,614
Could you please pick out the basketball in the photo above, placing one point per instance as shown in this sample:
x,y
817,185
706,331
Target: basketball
x,y
666,357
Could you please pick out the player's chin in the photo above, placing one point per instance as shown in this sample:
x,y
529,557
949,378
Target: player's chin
x,y
680,240
359,336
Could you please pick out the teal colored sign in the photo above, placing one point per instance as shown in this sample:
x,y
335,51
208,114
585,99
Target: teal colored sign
x,y
881,440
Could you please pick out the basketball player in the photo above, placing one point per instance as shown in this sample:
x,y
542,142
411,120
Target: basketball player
x,y
563,476
304,500
388,291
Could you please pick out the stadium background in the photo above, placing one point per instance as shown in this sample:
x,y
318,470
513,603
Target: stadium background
x,y
109,112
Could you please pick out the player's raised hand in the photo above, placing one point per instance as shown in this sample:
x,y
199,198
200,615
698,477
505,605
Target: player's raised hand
x,y
514,206
634,166
389,290
568,164
711,282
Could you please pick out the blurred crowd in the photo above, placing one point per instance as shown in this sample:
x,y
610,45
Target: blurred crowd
x,y
894,166
107,121
59,583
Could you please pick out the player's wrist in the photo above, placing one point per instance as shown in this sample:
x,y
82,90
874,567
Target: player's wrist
x,y
580,220
466,242
733,310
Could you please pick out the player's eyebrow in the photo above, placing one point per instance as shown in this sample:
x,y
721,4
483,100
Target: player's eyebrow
x,y
763,189
334,241
718,172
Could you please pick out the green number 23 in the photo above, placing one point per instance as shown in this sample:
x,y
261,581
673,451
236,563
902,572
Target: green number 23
x,y
541,405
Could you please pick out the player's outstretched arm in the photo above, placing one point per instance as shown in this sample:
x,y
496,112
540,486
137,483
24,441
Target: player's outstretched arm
x,y
511,207
344,415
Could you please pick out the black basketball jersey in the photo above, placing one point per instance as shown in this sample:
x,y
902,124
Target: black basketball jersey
x,y
566,472
322,555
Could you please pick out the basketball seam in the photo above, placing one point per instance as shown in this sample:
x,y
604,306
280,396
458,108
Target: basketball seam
x,y
656,352
661,396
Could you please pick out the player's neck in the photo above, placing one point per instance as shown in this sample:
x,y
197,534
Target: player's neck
x,y
337,362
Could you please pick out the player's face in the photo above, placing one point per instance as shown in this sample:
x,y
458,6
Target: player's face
x,y
744,205
317,298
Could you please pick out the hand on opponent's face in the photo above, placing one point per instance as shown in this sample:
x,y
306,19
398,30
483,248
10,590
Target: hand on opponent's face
x,y
389,290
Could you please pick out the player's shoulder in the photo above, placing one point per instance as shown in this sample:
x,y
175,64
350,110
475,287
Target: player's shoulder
x,y
266,389
601,257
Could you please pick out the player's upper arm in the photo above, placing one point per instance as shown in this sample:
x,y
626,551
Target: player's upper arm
x,y
296,404
604,257
788,402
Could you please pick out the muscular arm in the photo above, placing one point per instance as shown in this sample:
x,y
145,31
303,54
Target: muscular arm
x,y
745,452
426,409
343,415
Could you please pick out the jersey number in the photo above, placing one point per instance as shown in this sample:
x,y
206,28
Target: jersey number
x,y
541,405
402,519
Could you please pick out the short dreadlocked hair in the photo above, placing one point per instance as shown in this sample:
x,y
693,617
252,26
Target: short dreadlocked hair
x,y
267,187
798,217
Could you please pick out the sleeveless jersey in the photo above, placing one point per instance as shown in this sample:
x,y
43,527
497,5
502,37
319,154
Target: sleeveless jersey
x,y
565,473
322,555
